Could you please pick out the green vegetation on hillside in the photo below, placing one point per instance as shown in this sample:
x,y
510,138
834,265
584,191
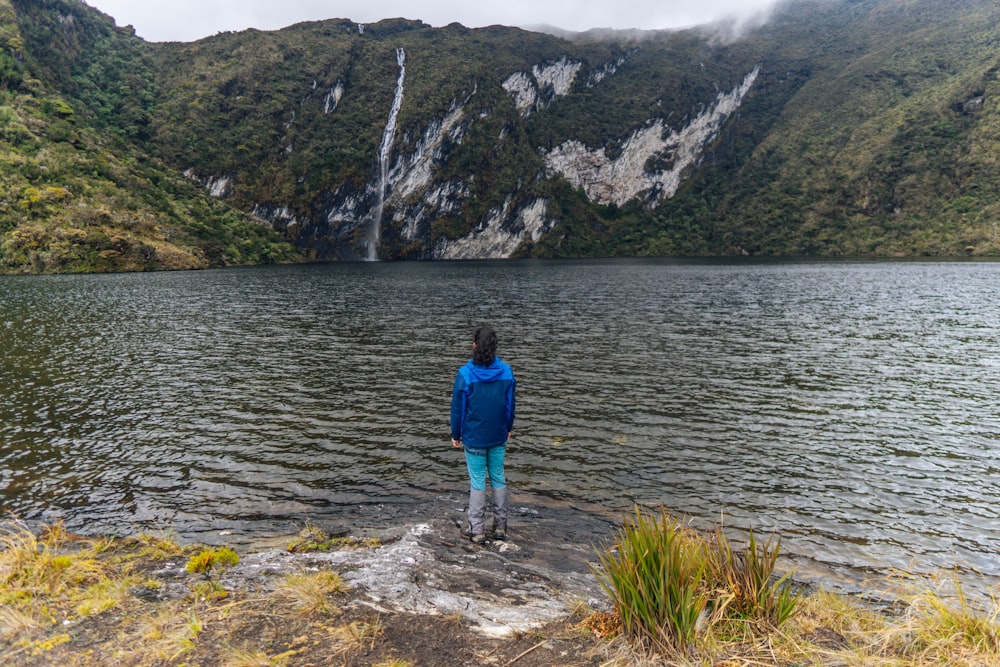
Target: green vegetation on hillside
x,y
889,147
76,195
872,129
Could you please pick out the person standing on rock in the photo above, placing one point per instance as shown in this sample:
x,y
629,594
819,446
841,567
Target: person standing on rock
x,y
482,416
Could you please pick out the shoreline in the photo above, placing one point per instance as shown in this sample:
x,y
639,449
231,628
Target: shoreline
x,y
402,596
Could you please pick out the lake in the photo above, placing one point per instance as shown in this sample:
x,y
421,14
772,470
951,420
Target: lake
x,y
849,407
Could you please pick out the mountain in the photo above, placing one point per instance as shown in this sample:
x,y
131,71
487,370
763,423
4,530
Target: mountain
x,y
838,127
78,190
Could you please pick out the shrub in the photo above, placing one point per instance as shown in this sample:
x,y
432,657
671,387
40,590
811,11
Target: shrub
x,y
211,561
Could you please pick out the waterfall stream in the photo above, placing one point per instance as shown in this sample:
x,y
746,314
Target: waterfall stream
x,y
388,137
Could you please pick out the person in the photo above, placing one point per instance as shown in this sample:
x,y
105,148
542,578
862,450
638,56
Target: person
x,y
482,416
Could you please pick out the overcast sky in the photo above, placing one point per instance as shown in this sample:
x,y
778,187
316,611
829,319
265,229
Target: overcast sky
x,y
187,20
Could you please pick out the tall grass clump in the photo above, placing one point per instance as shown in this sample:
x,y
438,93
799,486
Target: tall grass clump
x,y
310,593
655,575
33,565
670,585
757,597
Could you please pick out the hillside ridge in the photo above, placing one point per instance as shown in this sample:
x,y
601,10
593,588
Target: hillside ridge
x,y
838,127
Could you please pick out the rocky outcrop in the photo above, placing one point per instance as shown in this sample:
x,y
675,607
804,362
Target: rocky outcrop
x,y
500,234
499,589
409,188
218,186
333,97
535,91
618,180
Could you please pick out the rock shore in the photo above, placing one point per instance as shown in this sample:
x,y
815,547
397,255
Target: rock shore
x,y
537,576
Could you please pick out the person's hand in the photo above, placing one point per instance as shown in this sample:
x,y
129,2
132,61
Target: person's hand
x,y
457,444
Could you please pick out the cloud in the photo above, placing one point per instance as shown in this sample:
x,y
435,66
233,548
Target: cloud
x,y
187,20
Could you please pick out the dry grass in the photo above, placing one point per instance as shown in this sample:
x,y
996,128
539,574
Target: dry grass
x,y
397,662
359,635
255,658
167,634
310,593
15,622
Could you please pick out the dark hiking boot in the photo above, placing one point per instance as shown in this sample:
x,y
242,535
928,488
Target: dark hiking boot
x,y
475,538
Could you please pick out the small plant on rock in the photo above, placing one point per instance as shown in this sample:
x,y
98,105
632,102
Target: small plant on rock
x,y
212,562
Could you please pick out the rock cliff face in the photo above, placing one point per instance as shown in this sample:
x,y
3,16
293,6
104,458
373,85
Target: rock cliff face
x,y
534,92
410,190
629,176
500,233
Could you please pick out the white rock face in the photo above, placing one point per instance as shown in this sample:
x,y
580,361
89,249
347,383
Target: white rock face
x,y
444,200
412,173
500,234
333,97
545,83
280,217
558,76
218,186
349,211
619,180
599,75
522,88
279,214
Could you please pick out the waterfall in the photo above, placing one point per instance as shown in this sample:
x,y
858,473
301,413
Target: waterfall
x,y
388,137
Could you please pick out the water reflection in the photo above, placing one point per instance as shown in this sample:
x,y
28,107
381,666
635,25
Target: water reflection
x,y
848,406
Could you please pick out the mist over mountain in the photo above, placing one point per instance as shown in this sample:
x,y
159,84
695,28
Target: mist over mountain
x,y
835,127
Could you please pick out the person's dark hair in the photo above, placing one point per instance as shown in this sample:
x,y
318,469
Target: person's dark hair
x,y
486,346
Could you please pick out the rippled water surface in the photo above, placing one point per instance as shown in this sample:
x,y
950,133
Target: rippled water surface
x,y
850,407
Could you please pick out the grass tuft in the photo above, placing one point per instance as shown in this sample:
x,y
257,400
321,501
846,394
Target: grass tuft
x,y
654,576
108,593
359,635
312,538
168,634
310,593
256,658
748,578
941,622
31,565
669,585
16,622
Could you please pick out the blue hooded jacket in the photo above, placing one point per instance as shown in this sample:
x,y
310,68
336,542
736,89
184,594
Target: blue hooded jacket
x,y
482,404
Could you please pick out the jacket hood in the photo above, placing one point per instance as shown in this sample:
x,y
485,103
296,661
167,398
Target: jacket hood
x,y
491,373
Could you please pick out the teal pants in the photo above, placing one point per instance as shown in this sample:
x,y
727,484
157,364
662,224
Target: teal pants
x,y
483,461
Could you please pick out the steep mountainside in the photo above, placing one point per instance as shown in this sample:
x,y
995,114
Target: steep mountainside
x,y
401,140
891,145
838,127
77,194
